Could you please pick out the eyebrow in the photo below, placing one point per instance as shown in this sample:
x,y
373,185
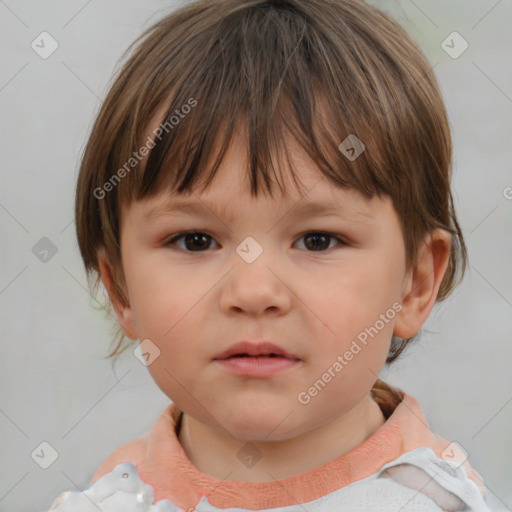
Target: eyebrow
x,y
314,208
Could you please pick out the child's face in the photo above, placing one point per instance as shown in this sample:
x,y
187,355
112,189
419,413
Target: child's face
x,y
310,295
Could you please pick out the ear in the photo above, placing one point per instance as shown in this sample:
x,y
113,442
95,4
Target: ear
x,y
423,282
118,294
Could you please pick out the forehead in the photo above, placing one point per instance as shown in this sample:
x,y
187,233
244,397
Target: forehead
x,y
228,197
298,186
354,212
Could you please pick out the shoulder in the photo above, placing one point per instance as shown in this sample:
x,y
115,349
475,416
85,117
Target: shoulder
x,y
445,482
406,422
134,452
137,451
417,480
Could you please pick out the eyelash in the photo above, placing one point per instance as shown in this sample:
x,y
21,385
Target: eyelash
x,y
172,241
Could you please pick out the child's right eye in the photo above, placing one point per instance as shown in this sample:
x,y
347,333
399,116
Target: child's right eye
x,y
196,238
200,240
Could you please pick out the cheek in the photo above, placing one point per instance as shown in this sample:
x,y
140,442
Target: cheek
x,y
169,310
159,295
357,318
352,298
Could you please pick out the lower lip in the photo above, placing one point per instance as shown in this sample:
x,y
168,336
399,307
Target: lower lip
x,y
257,366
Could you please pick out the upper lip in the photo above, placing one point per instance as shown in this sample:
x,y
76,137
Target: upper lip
x,y
255,349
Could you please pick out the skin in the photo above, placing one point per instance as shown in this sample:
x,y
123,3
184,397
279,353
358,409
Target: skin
x,y
310,297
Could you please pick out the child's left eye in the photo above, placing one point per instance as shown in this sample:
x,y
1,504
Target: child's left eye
x,y
320,237
319,241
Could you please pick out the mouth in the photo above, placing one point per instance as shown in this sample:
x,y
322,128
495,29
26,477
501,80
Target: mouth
x,y
263,365
261,355
246,349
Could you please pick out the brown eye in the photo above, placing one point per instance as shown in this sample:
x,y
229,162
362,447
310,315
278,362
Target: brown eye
x,y
194,241
319,241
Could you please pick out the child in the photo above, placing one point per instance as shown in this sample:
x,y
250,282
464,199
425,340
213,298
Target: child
x,y
269,337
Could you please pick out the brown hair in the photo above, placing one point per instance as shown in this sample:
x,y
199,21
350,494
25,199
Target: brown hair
x,y
316,70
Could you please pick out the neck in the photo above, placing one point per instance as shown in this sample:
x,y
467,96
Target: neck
x,y
214,452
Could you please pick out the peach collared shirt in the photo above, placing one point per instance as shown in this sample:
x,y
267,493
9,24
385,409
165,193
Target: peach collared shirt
x,y
162,462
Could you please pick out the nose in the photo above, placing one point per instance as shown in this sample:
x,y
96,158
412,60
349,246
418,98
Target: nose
x,y
255,286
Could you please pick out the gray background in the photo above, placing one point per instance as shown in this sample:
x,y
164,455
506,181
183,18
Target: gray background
x,y
55,385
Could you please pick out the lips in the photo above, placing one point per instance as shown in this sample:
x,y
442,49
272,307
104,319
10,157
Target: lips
x,y
247,348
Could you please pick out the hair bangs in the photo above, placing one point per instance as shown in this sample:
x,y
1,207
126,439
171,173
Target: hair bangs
x,y
269,111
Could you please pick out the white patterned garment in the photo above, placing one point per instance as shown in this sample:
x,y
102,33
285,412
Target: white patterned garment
x,y
121,490
417,481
